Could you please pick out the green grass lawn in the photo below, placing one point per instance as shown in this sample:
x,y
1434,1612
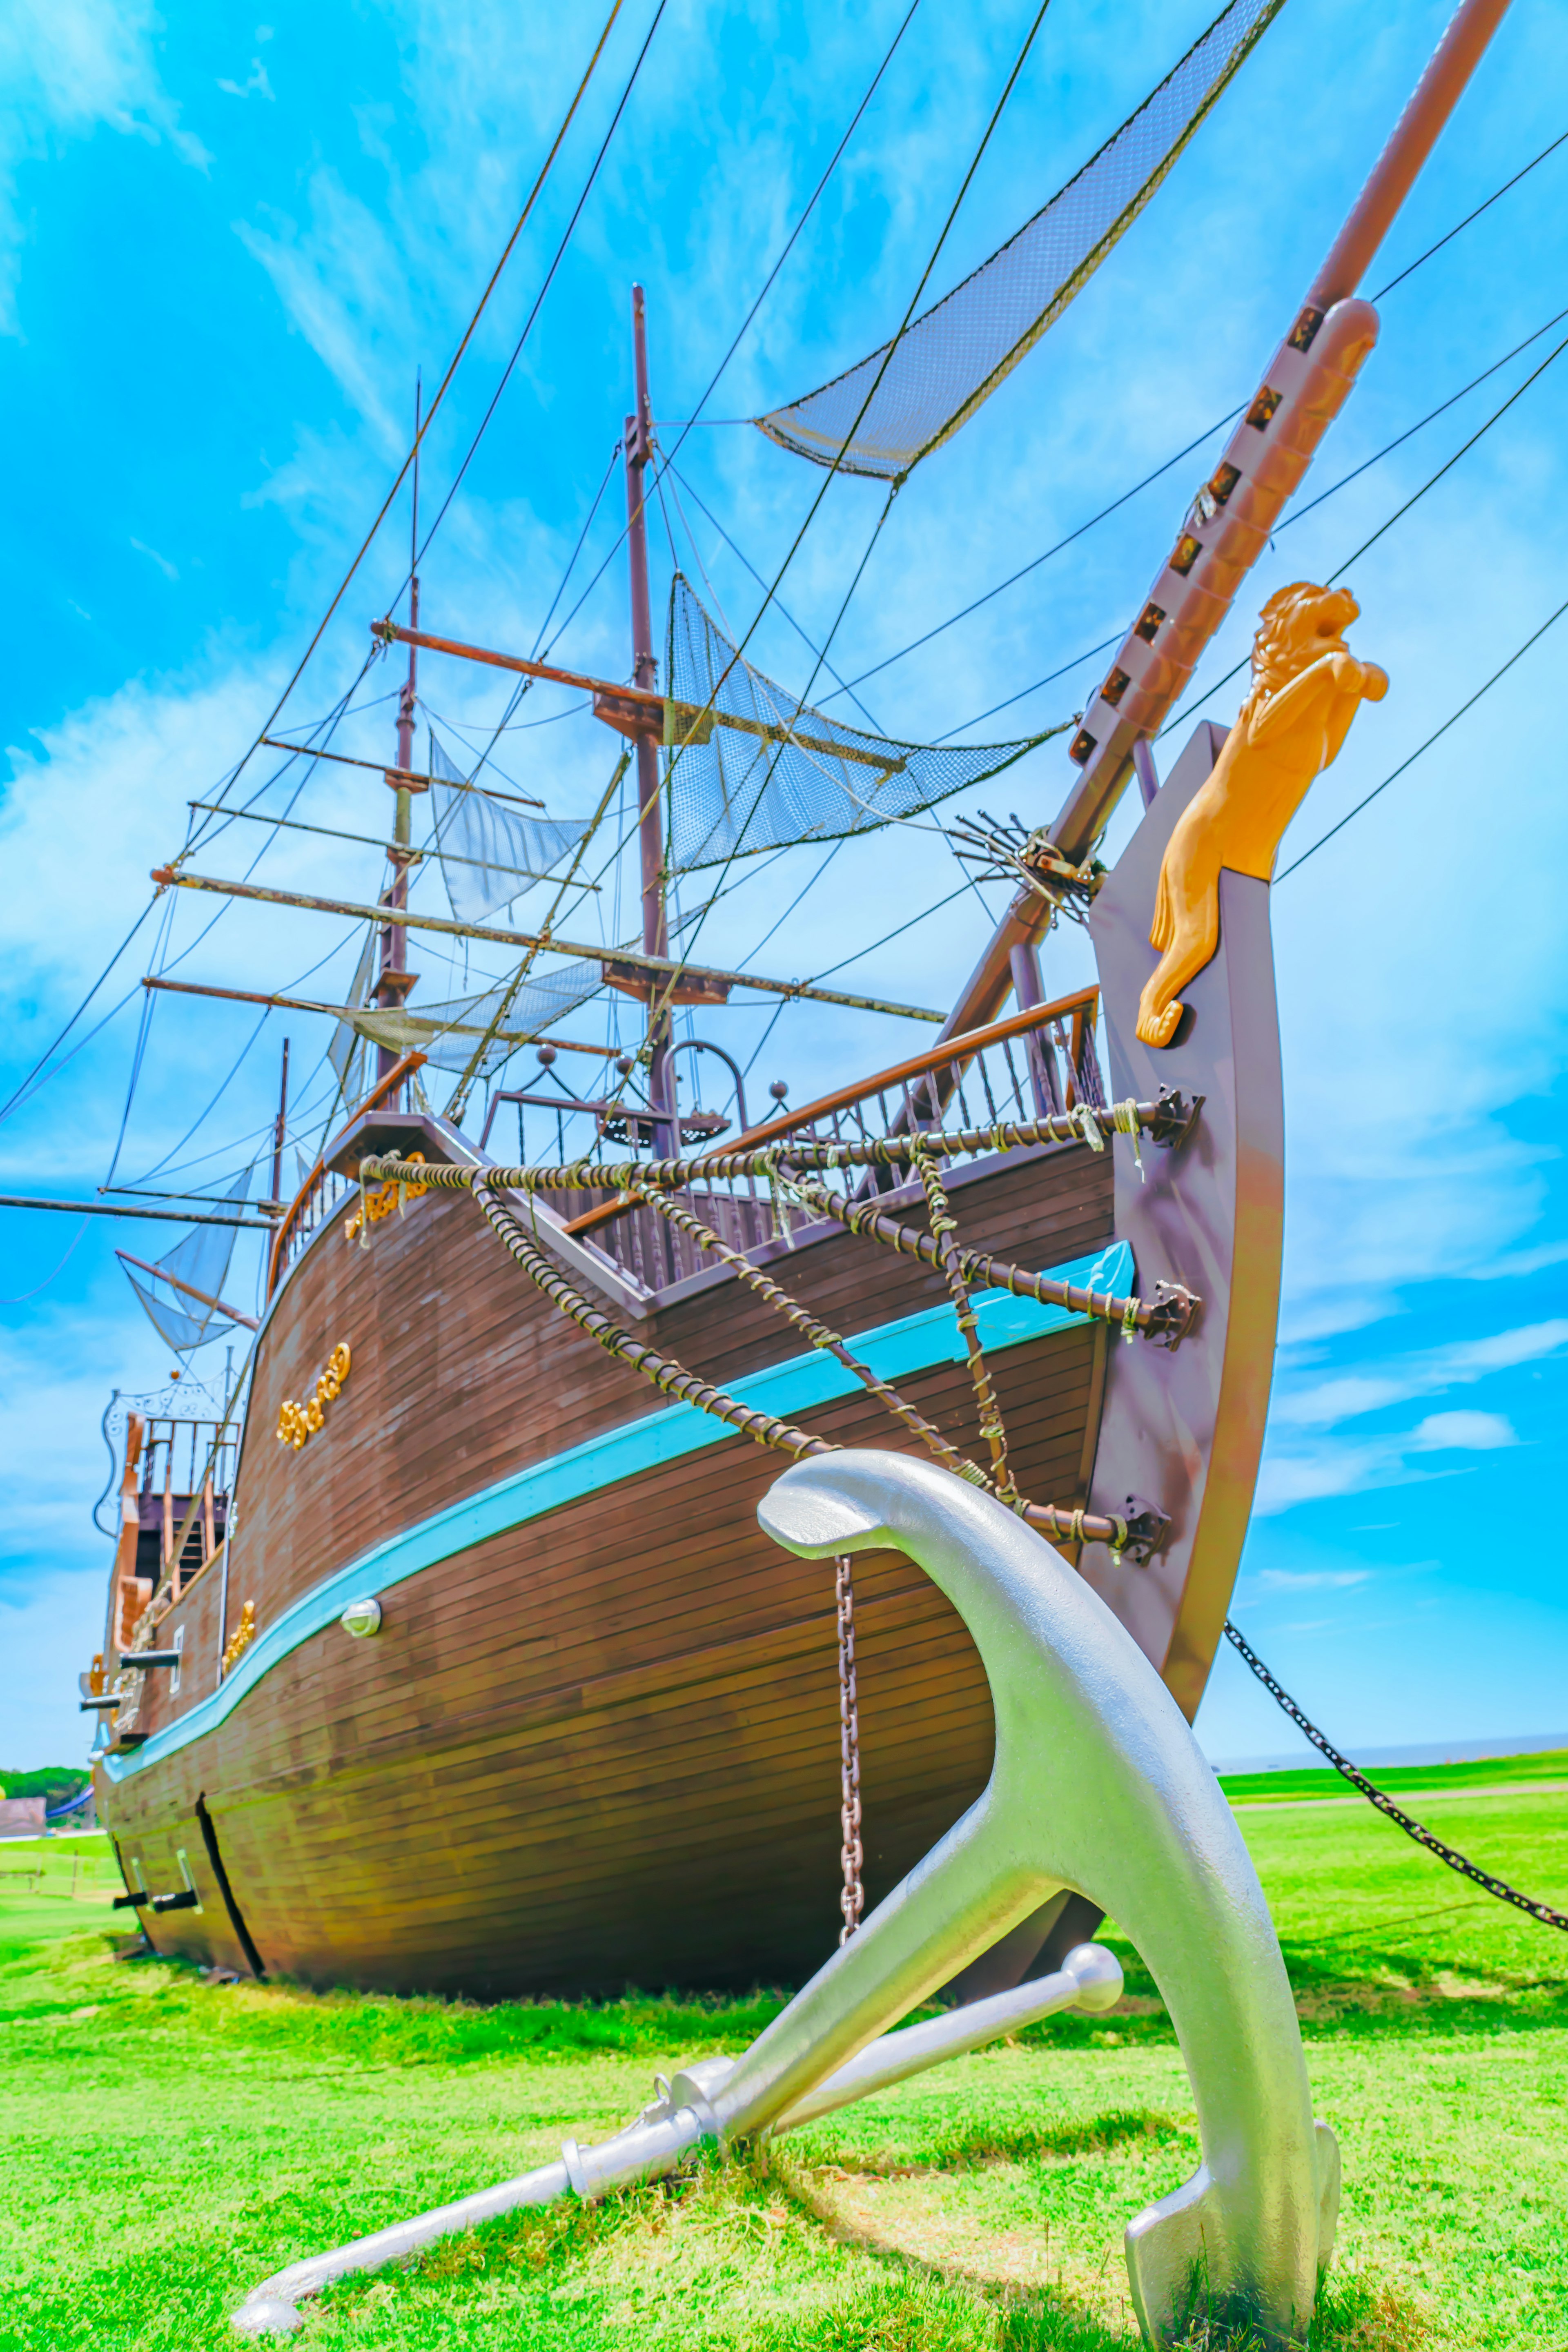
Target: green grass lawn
x,y
168,2143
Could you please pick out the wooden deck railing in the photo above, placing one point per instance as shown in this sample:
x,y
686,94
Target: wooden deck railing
x,y
1032,1063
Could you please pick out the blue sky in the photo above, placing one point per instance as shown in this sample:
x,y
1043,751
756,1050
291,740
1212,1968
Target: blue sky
x,y
228,239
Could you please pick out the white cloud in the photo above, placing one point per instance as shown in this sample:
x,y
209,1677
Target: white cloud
x,y
1466,1433
256,85
1312,1579
67,65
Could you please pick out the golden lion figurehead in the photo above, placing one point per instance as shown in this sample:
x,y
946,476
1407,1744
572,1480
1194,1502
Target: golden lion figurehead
x,y
1298,625
1307,687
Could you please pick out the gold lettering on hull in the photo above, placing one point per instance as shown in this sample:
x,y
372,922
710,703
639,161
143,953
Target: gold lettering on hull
x,y
242,1637
382,1202
1307,687
299,1421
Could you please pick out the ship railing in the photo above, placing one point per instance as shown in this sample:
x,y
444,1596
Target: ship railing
x,y
1036,1062
1033,1063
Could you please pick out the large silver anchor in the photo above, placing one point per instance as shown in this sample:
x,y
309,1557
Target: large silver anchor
x,y
1098,1785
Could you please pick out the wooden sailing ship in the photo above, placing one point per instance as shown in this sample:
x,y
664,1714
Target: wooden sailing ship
x,y
456,1660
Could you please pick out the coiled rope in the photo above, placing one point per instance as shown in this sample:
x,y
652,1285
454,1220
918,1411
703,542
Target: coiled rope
x,y
803,1151
944,1228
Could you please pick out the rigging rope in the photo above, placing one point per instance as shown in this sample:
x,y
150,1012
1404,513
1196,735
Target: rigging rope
x,y
549,278
1184,711
667,1376
816,1331
944,1228
1158,1120
1446,1855
430,414
1451,720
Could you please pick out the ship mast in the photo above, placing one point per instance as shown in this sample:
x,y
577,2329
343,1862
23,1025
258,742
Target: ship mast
x,y
395,979
636,451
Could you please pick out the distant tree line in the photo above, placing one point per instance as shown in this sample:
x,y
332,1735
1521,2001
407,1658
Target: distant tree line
x,y
55,1782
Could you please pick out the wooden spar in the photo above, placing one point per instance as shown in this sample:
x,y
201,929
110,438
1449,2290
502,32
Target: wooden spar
x,y
369,840
1080,1006
636,450
167,876
633,711
190,1290
347,1012
404,1067
1271,452
416,779
106,1208
394,633
1452,63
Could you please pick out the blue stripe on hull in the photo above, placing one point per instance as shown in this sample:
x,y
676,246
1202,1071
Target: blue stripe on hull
x,y
917,1343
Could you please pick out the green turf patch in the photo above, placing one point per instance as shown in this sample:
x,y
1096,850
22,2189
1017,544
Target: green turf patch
x,y
167,2143
1318,1782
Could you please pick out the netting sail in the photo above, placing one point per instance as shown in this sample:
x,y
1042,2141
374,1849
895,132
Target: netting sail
x,y
183,1288
750,767
345,1050
955,355
446,1033
489,854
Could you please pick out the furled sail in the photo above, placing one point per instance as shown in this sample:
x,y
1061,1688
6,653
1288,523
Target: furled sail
x,y
956,353
760,768
182,1289
490,852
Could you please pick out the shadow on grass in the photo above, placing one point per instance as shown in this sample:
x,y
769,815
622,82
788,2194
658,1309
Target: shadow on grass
x,y
949,2148
911,2310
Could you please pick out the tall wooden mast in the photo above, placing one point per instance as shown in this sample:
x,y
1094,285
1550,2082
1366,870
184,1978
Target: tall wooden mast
x,y
395,980
638,450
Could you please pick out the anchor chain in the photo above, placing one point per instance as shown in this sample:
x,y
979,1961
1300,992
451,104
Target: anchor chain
x,y
852,1900
1386,1804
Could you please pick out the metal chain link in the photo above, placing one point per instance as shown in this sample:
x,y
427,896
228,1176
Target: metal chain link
x,y
852,1901
1374,1796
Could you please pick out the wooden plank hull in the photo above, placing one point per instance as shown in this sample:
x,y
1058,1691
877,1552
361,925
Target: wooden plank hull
x,y
599,1747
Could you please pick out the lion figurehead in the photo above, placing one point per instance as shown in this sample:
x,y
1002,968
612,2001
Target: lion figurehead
x,y
1296,625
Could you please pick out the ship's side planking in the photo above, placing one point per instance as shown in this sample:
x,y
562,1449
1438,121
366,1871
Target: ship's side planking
x,y
603,1744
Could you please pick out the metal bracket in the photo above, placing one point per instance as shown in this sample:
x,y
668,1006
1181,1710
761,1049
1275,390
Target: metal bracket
x,y
1173,1314
1147,1527
1174,1117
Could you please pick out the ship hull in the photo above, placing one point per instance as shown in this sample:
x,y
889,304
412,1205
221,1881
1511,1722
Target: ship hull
x,y
595,1741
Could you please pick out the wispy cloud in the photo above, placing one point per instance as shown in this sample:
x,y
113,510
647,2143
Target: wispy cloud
x,y
254,86
1310,1580
68,66
1425,1372
163,562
